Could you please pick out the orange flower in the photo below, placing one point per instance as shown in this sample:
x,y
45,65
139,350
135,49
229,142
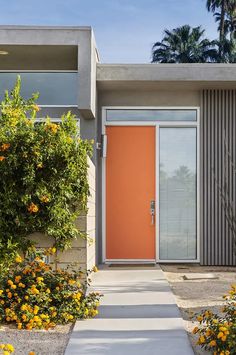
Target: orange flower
x,y
32,208
2,158
5,146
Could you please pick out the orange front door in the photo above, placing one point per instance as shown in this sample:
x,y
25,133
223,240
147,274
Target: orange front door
x,y
130,187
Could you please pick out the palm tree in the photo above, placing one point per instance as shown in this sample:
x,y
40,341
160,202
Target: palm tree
x,y
184,45
223,7
213,5
227,27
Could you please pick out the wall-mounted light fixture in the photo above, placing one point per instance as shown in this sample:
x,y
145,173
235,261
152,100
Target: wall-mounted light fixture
x,y
102,146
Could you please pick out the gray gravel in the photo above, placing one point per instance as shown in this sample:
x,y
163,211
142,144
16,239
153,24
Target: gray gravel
x,y
196,295
42,342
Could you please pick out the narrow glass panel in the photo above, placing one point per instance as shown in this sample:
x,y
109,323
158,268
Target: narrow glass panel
x,y
152,115
178,187
54,88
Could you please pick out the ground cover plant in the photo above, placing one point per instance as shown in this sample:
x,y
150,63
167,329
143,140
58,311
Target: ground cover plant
x,y
35,296
217,332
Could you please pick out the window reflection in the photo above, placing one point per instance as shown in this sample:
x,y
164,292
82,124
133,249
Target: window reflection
x,y
152,115
178,232
59,88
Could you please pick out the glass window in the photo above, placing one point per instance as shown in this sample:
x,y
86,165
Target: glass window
x,y
178,191
54,88
152,115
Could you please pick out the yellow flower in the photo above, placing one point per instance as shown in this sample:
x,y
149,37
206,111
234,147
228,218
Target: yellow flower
x,y
39,279
31,353
201,339
53,250
69,140
94,312
9,295
10,348
212,343
71,282
220,335
95,269
6,352
52,127
44,199
1,292
195,330
33,208
223,329
39,166
35,107
13,287
18,259
2,158
199,318
21,285
10,282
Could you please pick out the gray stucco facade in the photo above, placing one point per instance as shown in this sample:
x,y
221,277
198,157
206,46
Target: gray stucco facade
x,y
210,87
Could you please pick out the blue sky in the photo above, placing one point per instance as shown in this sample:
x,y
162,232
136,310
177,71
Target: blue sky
x,y
124,29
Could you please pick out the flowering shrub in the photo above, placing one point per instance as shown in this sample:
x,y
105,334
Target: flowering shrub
x,y
33,295
6,349
43,176
217,333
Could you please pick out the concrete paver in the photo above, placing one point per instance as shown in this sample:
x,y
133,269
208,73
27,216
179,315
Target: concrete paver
x,y
138,316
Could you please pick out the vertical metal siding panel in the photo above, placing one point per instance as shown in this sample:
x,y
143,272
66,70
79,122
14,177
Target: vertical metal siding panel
x,y
233,253
230,258
202,185
208,124
217,118
211,167
219,175
216,207
223,176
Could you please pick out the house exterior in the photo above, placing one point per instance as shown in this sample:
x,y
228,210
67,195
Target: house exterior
x,y
164,151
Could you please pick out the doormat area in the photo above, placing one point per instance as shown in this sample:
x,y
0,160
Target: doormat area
x,y
196,276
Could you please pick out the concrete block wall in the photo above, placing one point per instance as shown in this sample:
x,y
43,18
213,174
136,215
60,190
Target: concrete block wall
x,y
82,252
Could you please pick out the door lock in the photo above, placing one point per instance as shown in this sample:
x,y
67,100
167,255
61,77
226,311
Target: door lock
x,y
152,211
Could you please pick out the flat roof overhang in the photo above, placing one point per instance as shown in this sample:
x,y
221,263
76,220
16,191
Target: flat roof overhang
x,y
166,76
54,48
39,57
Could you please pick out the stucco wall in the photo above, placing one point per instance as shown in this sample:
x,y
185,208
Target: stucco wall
x,y
83,250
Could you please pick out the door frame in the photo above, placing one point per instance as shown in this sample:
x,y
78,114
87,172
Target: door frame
x,y
157,125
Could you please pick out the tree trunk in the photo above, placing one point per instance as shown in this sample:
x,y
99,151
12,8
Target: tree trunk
x,y
222,29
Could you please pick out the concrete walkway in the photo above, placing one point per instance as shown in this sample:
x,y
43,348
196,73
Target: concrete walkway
x,y
138,316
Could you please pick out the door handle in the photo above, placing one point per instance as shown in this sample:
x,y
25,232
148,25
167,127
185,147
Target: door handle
x,y
152,211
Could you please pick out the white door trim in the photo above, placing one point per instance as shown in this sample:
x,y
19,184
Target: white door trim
x,y
157,125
